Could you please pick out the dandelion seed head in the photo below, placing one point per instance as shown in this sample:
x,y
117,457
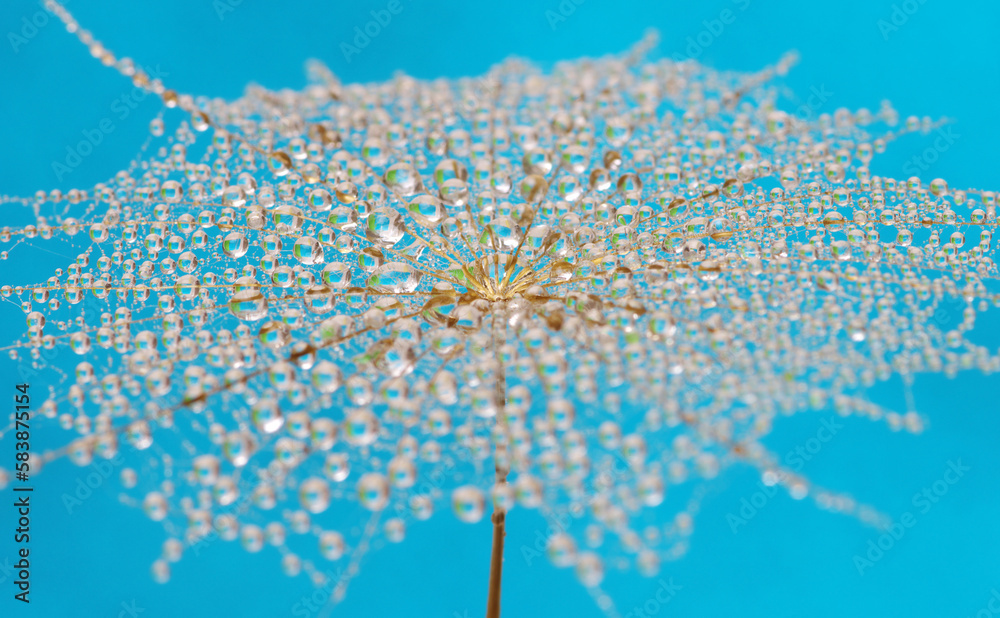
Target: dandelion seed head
x,y
586,292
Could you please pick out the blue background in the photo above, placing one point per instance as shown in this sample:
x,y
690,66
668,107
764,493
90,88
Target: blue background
x,y
791,559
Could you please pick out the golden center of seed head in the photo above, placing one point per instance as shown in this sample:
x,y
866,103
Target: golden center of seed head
x,y
489,279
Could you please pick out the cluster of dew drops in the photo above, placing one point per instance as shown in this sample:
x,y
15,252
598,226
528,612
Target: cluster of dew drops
x,y
312,319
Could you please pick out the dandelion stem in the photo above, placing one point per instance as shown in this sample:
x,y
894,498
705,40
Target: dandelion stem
x,y
496,558
499,515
